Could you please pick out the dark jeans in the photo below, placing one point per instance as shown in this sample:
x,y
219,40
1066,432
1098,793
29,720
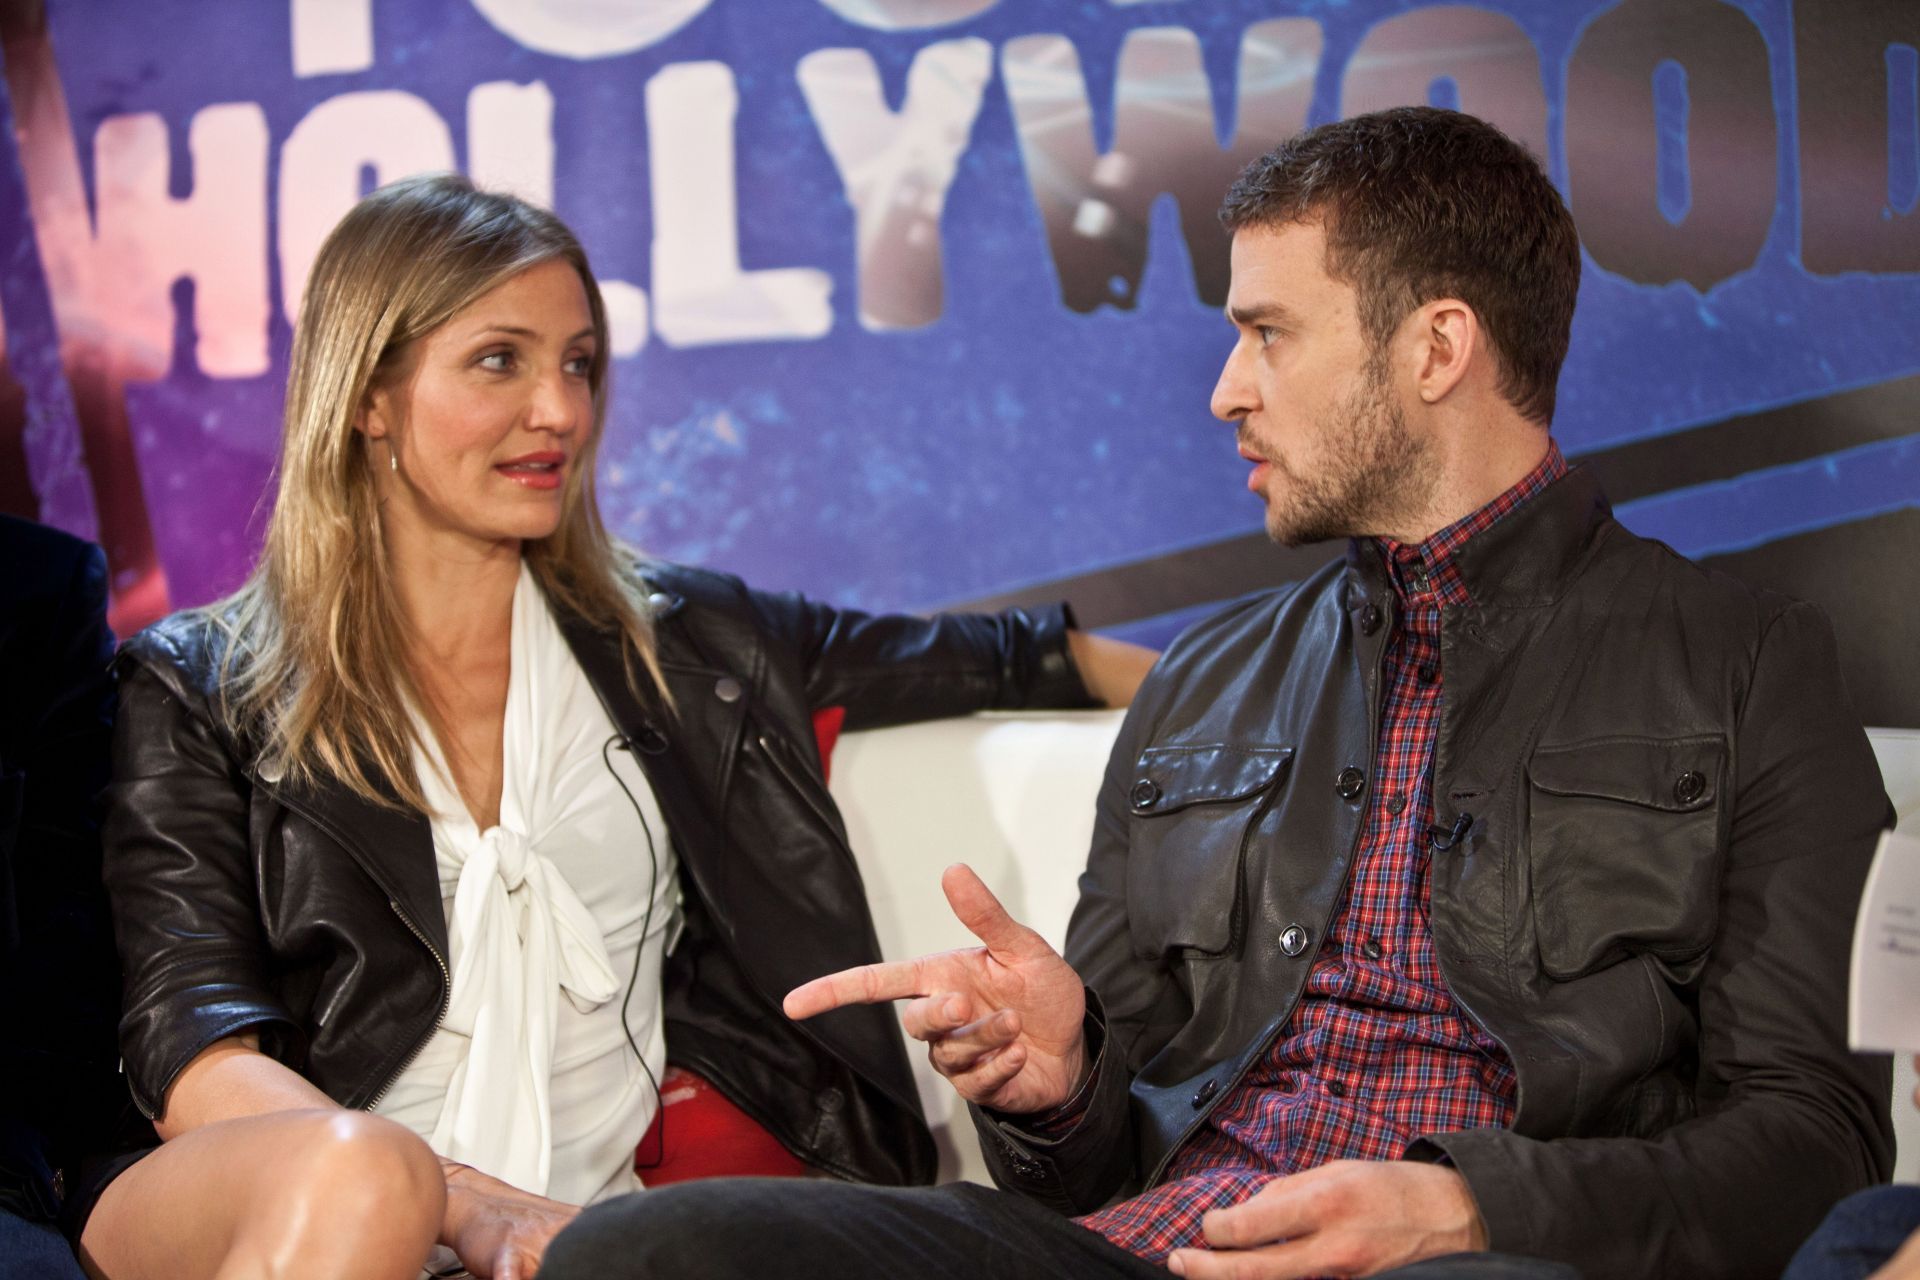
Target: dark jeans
x,y
34,1251
1861,1233
790,1229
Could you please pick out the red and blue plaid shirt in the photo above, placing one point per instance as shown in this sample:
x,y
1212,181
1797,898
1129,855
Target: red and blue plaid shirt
x,y
1377,1053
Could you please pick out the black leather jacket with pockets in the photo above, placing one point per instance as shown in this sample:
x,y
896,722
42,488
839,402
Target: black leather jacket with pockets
x,y
1668,812
313,918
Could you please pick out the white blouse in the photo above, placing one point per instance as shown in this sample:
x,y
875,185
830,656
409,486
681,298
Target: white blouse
x,y
531,1075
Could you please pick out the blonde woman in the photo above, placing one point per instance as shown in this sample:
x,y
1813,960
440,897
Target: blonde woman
x,y
433,843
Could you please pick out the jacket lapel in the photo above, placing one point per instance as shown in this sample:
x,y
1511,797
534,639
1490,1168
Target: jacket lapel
x,y
683,749
392,844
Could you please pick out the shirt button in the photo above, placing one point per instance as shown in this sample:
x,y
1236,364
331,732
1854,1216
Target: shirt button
x,y
1427,673
1144,794
1293,939
1689,786
1395,803
1370,619
1350,783
1335,1089
727,689
1372,949
1417,579
1204,1094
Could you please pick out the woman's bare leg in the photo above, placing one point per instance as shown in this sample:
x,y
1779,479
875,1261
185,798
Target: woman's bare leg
x,y
318,1194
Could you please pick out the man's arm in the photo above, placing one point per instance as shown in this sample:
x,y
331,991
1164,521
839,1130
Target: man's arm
x,y
1788,1121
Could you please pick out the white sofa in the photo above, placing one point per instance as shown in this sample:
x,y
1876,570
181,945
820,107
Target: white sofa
x,y
1012,795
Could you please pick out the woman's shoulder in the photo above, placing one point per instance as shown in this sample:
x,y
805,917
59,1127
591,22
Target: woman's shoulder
x,y
184,650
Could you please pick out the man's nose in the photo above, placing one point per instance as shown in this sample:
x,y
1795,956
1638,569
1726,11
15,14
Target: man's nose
x,y
1233,394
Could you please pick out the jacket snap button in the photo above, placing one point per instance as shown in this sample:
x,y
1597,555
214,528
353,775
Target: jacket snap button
x,y
1144,794
1293,939
1370,619
1350,783
1689,786
1205,1093
658,603
727,689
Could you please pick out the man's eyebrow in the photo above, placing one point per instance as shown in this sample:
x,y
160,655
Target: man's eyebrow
x,y
1258,314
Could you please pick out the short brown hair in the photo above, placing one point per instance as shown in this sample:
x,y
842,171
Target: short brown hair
x,y
1420,203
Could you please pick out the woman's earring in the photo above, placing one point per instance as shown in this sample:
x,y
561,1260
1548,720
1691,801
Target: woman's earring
x,y
393,458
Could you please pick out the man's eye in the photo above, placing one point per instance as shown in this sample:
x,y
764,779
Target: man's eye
x,y
1266,333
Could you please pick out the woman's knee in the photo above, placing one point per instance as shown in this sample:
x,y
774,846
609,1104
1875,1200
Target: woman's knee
x,y
349,1161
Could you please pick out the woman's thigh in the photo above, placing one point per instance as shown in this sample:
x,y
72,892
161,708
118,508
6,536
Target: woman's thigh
x,y
295,1193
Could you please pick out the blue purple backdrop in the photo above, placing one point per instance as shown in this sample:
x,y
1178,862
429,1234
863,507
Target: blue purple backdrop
x,y
919,298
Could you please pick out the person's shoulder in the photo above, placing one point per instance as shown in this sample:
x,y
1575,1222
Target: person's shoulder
x,y
184,650
682,584
38,561
1702,593
1251,621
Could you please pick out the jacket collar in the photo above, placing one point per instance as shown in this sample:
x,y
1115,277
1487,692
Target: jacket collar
x,y
394,844
1525,560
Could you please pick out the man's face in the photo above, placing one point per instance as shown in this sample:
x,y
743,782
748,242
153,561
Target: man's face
x,y
1314,403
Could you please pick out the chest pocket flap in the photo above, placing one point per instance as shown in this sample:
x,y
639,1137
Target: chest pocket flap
x,y
1194,809
1624,840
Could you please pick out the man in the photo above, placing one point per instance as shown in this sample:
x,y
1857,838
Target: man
x,y
63,1107
1489,891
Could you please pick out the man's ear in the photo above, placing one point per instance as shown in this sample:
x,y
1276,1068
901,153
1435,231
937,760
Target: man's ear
x,y
1449,342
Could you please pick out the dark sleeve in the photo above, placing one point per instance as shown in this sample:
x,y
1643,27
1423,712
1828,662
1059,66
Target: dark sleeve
x,y
892,669
1081,1168
1788,1120
181,881
62,978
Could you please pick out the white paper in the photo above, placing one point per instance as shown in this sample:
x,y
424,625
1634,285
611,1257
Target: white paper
x,y
1883,1005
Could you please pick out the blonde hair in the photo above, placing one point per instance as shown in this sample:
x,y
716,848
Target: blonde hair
x,y
316,670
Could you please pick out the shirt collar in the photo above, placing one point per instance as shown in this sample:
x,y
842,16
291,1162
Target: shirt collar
x,y
1425,572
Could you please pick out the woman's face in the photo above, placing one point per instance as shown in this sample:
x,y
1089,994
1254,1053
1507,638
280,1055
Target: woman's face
x,y
491,414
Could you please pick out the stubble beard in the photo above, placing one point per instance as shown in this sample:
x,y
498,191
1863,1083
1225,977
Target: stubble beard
x,y
1372,485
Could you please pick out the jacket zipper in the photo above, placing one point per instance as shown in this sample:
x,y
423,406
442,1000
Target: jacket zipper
x,y
793,784
446,1001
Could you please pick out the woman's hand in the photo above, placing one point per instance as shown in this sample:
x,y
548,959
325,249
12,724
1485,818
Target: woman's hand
x,y
1111,669
499,1232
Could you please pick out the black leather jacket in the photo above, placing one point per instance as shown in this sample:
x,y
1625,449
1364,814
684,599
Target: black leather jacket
x,y
314,918
1672,815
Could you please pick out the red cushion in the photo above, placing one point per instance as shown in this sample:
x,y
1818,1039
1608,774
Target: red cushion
x,y
699,1134
826,732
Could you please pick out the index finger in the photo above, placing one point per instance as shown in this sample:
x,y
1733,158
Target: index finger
x,y
865,984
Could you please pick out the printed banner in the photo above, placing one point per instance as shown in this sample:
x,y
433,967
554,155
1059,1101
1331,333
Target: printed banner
x,y
917,302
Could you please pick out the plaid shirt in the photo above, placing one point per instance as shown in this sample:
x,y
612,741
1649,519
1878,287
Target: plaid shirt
x,y
1376,1053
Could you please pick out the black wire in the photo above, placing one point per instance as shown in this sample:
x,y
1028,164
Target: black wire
x,y
646,927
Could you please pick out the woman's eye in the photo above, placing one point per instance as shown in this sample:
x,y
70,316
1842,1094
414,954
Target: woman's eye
x,y
498,361
580,366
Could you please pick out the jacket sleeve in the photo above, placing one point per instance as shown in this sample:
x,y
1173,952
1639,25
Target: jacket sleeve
x,y
178,872
62,982
1787,1120
1132,1005
893,668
